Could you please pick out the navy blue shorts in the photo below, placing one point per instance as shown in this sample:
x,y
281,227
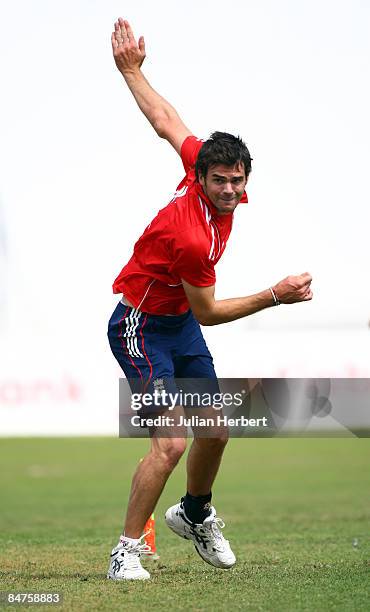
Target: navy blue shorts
x,y
156,350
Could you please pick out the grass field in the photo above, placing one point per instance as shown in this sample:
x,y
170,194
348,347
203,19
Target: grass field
x,y
292,510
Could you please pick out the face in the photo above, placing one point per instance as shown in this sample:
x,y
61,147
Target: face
x,y
224,186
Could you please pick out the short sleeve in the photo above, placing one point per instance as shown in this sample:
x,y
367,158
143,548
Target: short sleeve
x,y
189,152
190,261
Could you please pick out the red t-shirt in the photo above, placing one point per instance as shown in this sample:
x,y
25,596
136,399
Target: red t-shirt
x,y
185,240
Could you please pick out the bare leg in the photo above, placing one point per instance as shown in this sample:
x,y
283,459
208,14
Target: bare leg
x,y
204,458
203,461
151,476
148,482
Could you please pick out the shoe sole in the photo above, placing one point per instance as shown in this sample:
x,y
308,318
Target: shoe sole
x,y
120,579
225,567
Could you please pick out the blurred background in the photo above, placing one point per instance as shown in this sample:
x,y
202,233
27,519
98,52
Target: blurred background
x,y
83,173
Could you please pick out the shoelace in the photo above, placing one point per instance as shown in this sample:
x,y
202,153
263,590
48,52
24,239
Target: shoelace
x,y
214,526
132,561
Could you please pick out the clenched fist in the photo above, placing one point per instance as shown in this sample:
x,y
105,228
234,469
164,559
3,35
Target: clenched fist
x,y
294,289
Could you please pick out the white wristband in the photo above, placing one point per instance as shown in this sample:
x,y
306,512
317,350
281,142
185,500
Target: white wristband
x,y
274,297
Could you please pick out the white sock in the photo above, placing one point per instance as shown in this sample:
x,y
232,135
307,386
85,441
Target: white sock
x,y
124,538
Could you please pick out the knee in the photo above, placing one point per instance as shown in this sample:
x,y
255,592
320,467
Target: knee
x,y
220,442
221,437
216,444
170,452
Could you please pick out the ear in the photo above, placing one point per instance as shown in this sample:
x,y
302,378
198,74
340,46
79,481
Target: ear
x,y
202,180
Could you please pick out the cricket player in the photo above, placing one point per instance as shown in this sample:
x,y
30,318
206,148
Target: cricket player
x,y
168,289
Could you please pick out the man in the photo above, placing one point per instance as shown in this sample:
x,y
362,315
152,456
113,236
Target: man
x,y
168,288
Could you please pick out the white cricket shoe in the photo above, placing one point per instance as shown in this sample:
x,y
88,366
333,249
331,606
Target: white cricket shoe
x,y
125,561
208,540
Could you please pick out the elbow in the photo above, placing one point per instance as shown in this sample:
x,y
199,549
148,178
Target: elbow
x,y
159,126
161,123
205,318
203,321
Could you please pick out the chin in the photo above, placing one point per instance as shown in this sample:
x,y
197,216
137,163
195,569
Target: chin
x,y
227,208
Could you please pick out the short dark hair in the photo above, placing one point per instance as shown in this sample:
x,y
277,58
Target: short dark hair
x,y
223,148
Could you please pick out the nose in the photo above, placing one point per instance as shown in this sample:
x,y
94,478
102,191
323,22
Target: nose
x,y
228,188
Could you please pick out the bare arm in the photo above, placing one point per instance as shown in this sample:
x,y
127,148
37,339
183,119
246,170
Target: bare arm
x,y
209,311
129,56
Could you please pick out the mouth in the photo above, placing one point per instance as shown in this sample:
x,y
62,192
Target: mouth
x,y
228,202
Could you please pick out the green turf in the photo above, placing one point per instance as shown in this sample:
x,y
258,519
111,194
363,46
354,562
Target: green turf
x,y
292,510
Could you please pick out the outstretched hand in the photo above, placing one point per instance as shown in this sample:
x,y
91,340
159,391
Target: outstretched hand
x,y
294,289
128,54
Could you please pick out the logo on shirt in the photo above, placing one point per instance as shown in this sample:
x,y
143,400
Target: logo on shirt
x,y
158,384
179,193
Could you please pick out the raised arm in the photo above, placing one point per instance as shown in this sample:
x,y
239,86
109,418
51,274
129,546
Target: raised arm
x,y
209,311
129,56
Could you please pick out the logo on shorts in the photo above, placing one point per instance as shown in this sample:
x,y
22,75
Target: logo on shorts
x,y
158,384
